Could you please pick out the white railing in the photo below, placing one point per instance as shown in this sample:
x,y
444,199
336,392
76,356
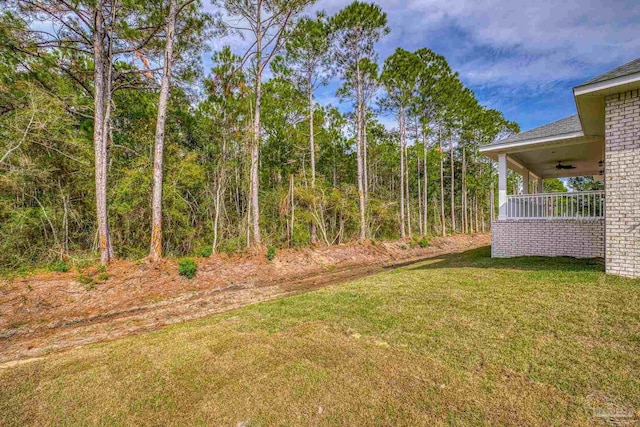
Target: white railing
x,y
572,205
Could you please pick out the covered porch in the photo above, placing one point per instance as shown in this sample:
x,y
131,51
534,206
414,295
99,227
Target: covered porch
x,y
534,222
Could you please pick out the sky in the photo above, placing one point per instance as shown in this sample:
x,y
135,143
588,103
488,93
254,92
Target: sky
x,y
521,57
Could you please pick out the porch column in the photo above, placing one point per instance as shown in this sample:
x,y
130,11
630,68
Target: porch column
x,y
525,181
502,186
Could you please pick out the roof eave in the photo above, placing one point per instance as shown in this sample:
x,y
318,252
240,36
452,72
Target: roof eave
x,y
517,145
589,99
606,85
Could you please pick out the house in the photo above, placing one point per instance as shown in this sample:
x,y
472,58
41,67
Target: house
x,y
602,140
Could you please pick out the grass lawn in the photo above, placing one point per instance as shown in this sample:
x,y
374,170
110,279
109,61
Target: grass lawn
x,y
459,340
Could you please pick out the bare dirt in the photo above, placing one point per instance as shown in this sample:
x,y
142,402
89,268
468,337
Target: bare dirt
x,y
45,313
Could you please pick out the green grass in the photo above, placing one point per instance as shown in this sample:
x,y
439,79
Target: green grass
x,y
456,340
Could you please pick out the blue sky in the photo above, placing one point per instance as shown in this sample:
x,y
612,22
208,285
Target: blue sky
x,y
521,57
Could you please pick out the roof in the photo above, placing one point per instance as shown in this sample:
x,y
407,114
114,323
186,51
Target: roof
x,y
632,67
568,125
590,110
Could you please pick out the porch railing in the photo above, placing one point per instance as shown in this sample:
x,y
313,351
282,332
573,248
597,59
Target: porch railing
x,y
572,205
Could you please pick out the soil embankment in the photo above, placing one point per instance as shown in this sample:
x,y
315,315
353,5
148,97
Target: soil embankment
x,y
45,313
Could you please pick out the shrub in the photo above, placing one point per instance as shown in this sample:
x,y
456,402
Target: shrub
x,y
187,268
424,242
85,280
103,276
59,266
102,268
205,252
271,252
232,245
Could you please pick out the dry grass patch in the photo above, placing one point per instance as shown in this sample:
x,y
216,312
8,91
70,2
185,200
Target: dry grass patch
x,y
458,340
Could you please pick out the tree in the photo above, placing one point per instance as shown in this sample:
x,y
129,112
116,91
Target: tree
x,y
194,22
268,23
584,183
307,54
47,144
400,77
156,199
101,31
357,28
369,84
227,112
431,106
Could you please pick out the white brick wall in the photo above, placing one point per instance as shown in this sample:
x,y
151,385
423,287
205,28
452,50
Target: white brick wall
x,y
622,183
580,238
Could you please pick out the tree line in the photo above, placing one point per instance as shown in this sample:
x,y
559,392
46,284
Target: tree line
x,y
115,139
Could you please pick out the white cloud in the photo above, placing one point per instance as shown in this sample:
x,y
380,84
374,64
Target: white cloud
x,y
520,56
532,40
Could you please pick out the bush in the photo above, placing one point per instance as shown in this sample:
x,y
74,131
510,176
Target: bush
x,y
103,276
205,252
424,242
187,268
85,280
59,266
271,252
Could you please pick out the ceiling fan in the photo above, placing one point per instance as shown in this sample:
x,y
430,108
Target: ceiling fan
x,y
560,166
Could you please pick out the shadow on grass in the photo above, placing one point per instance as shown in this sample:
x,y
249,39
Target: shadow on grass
x,y
481,258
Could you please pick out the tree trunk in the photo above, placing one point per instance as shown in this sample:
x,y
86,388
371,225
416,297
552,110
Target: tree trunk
x,y
475,208
453,189
156,205
220,188
255,147
465,202
425,181
402,142
420,212
292,204
408,202
312,147
359,108
101,99
442,218
365,162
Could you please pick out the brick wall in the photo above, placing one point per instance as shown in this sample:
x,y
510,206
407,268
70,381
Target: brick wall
x,y
622,183
580,238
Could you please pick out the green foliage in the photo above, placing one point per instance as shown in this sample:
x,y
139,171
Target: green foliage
x,y
47,204
423,242
554,185
205,252
271,252
85,280
103,277
584,183
187,267
59,266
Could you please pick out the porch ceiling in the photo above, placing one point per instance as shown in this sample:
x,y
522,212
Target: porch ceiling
x,y
542,156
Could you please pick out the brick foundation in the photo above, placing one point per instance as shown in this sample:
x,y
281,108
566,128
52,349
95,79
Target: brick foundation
x,y
622,183
580,238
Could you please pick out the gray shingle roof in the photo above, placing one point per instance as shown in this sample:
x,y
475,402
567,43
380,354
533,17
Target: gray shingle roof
x,y
564,126
623,70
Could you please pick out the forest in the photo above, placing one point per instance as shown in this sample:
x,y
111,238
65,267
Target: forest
x,y
117,142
